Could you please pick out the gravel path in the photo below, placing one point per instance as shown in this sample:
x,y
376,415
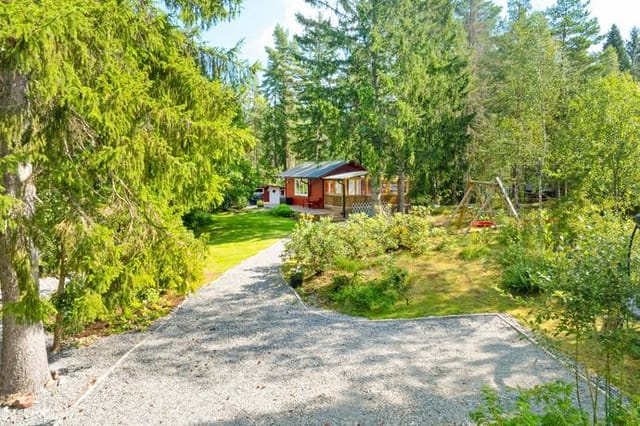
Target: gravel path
x,y
244,350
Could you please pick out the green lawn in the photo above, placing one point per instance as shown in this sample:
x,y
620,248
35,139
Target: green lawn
x,y
441,283
233,237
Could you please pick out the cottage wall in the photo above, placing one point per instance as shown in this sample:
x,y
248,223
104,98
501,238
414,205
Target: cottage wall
x,y
316,191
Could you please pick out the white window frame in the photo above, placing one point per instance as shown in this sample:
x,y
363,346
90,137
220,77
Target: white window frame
x,y
334,187
298,185
354,187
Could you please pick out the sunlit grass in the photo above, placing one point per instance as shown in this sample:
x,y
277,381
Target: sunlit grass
x,y
234,237
442,283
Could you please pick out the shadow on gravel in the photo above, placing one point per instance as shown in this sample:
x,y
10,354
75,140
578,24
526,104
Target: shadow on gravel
x,y
258,340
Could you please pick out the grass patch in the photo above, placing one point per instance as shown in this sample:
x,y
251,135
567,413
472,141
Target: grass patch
x,y
443,281
234,237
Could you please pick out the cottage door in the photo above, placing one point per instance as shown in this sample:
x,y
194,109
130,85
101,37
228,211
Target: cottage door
x,y
274,197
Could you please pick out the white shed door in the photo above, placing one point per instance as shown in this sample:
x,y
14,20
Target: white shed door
x,y
274,196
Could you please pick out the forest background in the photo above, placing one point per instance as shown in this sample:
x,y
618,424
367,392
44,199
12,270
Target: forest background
x,y
116,121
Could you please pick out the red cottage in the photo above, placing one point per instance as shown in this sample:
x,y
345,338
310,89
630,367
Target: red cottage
x,y
334,185
319,185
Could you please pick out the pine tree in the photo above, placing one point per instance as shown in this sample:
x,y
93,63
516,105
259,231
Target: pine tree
x,y
614,41
279,92
633,50
480,19
576,32
320,99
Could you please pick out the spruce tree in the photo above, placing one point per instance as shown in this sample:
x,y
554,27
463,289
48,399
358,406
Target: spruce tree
x,y
398,79
633,50
320,91
576,31
105,111
279,91
614,41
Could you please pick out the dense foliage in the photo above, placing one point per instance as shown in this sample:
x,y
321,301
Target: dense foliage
x,y
441,91
316,246
111,129
346,248
578,259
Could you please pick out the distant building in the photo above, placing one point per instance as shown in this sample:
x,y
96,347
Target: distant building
x,y
337,184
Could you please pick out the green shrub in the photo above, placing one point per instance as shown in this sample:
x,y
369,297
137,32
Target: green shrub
x,y
525,274
197,219
240,202
409,231
338,282
363,237
316,246
548,404
375,295
313,246
282,210
259,203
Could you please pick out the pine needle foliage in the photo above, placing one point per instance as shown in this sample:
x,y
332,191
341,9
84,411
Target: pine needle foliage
x,y
124,129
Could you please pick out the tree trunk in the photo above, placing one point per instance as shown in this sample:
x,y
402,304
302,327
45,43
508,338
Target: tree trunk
x,y
401,179
23,366
62,273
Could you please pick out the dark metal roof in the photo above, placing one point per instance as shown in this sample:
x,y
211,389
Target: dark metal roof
x,y
313,170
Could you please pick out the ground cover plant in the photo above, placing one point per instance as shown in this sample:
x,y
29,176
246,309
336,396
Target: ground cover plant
x,y
561,270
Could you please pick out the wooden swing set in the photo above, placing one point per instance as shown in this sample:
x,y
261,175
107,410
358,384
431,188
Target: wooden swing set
x,y
484,193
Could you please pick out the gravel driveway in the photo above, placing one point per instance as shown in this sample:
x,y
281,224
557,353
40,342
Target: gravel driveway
x,y
244,350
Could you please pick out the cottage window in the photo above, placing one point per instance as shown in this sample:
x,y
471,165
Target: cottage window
x,y
333,187
355,187
301,187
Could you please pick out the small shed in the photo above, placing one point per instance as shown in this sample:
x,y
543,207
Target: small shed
x,y
273,194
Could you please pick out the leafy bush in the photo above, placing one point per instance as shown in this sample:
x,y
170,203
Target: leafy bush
x,y
410,232
529,255
282,210
197,219
259,203
525,274
317,246
313,247
363,237
240,202
548,404
374,295
338,282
